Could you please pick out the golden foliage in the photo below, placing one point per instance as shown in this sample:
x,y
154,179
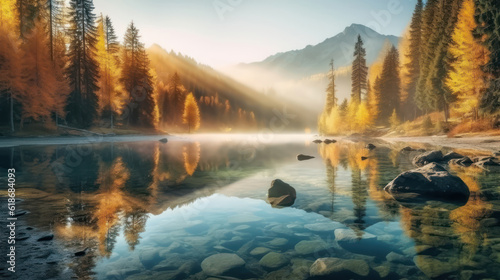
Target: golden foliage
x,y
466,77
8,15
191,115
191,154
110,93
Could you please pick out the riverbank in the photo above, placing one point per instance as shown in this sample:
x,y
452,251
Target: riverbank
x,y
486,143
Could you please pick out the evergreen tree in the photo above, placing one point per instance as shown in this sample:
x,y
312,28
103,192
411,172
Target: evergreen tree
x,y
359,71
413,64
438,24
54,14
426,52
27,11
137,80
439,95
82,71
488,20
331,100
177,94
390,86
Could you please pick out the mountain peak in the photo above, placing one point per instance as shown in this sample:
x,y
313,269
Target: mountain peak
x,y
313,59
360,29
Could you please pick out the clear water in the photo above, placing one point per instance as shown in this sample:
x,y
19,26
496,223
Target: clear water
x,y
147,210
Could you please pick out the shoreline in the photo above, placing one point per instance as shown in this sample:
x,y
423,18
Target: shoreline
x,y
77,140
486,143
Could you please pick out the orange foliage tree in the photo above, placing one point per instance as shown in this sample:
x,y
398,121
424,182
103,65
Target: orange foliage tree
x,y
191,115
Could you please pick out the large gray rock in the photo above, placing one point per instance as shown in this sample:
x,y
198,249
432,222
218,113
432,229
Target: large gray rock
x,y
426,158
273,260
222,264
429,182
338,267
451,155
281,194
309,247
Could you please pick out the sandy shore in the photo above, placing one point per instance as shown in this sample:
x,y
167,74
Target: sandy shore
x,y
489,143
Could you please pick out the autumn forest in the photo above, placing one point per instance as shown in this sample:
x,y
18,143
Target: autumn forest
x,y
63,65
443,76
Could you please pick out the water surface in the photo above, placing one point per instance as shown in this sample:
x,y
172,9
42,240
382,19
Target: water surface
x,y
148,210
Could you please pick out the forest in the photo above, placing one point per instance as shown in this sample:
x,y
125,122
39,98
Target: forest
x,y
63,65
443,77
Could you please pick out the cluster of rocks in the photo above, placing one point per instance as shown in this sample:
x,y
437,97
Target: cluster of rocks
x,y
431,181
326,141
455,158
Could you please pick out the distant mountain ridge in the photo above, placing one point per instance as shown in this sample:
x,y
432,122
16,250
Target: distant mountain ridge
x,y
314,59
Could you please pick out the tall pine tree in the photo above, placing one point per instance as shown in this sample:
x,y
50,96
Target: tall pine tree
x,y
488,19
426,52
331,100
359,71
413,64
389,86
439,95
82,71
137,80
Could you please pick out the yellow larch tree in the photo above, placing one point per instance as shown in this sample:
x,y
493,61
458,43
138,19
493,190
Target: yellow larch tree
x,y
38,94
466,78
111,97
191,115
363,118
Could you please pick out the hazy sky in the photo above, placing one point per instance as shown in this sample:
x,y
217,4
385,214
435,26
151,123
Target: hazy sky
x,y
225,32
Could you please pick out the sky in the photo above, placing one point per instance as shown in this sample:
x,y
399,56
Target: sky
x,y
220,33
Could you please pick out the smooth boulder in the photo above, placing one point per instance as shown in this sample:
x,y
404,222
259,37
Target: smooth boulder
x,y
281,194
273,260
329,141
426,158
303,157
317,141
163,140
431,181
335,267
222,264
452,155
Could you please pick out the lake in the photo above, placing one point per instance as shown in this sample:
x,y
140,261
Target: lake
x,y
196,208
